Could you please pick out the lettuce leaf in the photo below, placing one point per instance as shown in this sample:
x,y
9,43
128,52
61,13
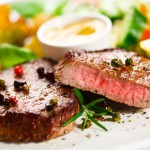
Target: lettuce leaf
x,y
28,9
11,55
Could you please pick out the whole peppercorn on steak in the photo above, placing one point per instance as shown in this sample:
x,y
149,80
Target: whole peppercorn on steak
x,y
33,106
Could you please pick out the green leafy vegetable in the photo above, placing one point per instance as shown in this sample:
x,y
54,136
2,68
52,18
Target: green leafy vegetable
x,y
90,110
84,122
96,122
11,55
115,9
79,96
94,103
59,9
102,110
131,32
73,118
28,8
56,8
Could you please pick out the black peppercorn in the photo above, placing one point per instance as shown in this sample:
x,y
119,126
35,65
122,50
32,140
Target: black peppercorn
x,y
1,98
50,76
41,72
53,103
21,86
145,68
4,101
49,107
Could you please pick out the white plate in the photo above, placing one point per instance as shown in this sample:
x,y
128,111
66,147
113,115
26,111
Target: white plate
x,y
134,135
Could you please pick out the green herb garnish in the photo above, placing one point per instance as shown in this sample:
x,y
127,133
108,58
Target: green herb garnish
x,y
128,61
116,63
86,122
91,110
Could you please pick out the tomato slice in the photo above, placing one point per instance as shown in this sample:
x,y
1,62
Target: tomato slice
x,y
146,34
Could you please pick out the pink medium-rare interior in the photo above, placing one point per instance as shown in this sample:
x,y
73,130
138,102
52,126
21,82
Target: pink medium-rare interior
x,y
87,78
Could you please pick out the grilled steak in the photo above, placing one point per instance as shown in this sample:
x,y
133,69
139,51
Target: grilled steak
x,y
115,73
39,113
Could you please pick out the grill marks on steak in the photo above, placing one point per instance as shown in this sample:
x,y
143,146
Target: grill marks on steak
x,y
29,121
92,71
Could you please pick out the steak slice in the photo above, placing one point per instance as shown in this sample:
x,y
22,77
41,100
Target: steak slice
x,y
94,71
34,117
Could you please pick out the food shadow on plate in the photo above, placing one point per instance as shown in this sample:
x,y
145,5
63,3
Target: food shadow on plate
x,y
116,107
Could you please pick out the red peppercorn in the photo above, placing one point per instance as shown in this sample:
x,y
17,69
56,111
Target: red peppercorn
x,y
18,70
13,100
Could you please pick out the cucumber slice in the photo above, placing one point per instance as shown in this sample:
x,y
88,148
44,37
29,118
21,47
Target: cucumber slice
x,y
133,26
116,9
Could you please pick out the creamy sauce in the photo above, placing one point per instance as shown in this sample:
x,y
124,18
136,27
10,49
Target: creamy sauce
x,y
75,33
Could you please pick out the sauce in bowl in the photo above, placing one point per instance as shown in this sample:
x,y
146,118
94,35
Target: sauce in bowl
x,y
90,31
76,32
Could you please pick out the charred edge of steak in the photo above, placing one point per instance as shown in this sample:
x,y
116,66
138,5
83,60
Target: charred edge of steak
x,y
75,53
32,127
81,51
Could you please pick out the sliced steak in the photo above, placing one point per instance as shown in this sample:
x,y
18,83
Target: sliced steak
x,y
96,72
39,114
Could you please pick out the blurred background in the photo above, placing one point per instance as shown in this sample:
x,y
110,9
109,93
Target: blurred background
x,y
20,20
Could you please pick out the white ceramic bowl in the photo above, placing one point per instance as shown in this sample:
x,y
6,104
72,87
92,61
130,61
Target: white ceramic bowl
x,y
56,51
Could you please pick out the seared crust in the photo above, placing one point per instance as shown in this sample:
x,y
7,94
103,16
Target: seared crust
x,y
101,60
28,120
